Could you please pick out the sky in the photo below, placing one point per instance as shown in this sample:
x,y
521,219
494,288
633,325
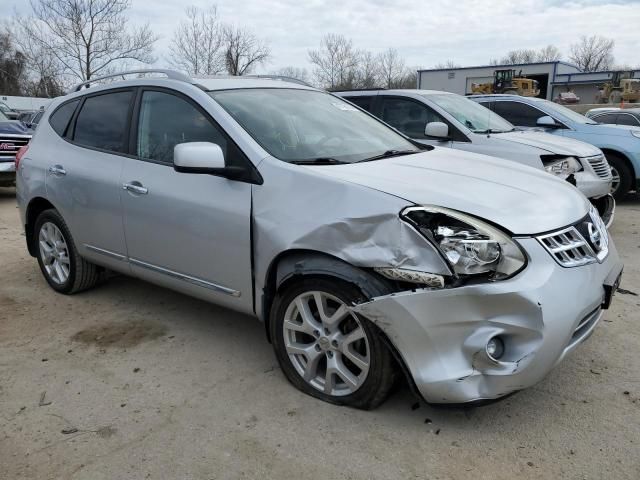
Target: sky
x,y
468,32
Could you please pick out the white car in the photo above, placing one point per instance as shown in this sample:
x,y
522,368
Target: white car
x,y
449,120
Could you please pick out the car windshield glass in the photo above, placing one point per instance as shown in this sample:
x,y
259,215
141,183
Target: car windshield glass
x,y
296,125
472,115
568,113
3,117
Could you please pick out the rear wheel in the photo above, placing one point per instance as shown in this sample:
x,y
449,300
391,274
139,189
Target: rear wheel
x,y
63,268
622,176
326,350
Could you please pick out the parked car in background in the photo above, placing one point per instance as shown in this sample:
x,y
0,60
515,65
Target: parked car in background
x,y
567,98
13,135
9,112
620,143
448,120
365,255
616,116
32,118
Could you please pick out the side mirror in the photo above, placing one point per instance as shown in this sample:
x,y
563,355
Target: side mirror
x,y
205,158
547,122
437,130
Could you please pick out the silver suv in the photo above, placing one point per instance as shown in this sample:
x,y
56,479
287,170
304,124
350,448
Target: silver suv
x,y
366,255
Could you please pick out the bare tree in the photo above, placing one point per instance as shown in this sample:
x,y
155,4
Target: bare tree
x,y
335,62
197,43
550,53
87,37
293,72
447,64
592,54
392,68
12,66
367,72
243,50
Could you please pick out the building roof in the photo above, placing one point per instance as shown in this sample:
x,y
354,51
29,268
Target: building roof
x,y
497,66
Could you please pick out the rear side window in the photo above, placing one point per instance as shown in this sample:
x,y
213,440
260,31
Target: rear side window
x,y
59,120
362,102
520,114
102,122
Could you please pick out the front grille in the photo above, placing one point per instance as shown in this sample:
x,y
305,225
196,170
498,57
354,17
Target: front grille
x,y
10,144
600,166
585,242
568,247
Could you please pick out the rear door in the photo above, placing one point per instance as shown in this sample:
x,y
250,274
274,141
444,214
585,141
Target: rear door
x,y
190,232
83,178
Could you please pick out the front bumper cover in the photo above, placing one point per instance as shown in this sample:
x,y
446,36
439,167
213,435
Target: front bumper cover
x,y
541,314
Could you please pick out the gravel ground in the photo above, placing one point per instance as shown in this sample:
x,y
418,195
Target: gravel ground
x,y
131,381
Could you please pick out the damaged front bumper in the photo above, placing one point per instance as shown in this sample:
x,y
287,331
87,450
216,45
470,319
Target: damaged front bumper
x,y
540,315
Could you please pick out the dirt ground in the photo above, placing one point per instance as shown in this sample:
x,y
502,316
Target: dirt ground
x,y
131,381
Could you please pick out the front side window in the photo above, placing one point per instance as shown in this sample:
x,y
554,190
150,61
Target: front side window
x,y
167,120
297,125
408,116
628,119
609,118
518,113
472,115
102,122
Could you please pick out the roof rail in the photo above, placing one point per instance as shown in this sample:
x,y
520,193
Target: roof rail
x,y
283,78
172,74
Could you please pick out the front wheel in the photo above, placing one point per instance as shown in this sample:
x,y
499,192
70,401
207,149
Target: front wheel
x,y
326,350
63,268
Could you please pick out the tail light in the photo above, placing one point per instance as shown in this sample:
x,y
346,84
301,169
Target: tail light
x,y
20,154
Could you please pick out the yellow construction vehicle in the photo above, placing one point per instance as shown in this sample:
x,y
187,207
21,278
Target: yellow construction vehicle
x,y
622,87
506,81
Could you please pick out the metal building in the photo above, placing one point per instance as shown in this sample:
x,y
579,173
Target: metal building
x,y
552,77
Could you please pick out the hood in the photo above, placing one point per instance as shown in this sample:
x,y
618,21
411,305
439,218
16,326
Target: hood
x,y
551,143
522,199
15,128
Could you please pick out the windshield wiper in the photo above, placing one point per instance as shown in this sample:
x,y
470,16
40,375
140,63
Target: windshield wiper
x,y
318,161
491,130
389,154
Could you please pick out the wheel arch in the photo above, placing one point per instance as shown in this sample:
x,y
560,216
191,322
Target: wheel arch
x,y
293,265
623,157
36,206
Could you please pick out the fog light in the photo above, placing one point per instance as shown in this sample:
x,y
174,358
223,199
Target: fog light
x,y
495,348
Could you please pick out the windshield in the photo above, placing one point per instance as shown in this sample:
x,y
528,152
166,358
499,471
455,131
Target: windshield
x,y
3,117
472,115
568,113
305,125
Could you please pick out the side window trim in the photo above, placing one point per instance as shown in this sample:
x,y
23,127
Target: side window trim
x,y
71,128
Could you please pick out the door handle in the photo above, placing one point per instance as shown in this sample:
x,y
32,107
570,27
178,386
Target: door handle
x,y
57,170
135,187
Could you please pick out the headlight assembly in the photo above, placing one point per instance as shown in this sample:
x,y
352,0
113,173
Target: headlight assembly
x,y
562,167
470,246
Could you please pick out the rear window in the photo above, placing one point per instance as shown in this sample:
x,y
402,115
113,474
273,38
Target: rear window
x,y
59,119
102,122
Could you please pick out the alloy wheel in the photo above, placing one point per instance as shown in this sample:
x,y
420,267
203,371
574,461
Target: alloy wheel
x,y
326,343
54,253
615,182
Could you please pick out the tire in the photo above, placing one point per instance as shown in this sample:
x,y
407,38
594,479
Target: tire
x,y
52,235
620,170
370,385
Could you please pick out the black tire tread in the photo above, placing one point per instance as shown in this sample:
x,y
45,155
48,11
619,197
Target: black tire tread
x,y
626,182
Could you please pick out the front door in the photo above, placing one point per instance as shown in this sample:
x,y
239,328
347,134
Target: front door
x,y
190,232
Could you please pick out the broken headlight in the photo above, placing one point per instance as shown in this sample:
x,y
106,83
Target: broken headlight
x,y
561,167
469,245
